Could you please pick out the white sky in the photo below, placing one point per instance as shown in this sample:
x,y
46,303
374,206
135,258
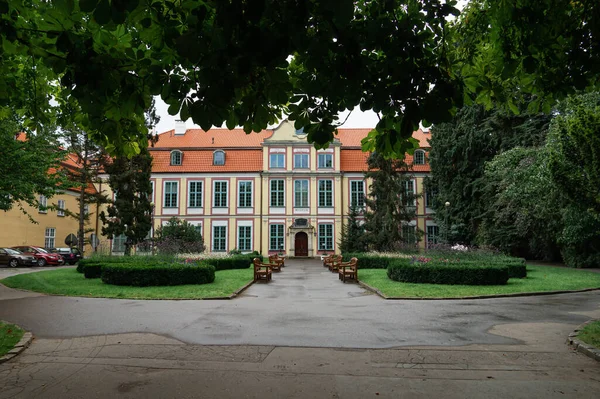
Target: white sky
x,y
357,119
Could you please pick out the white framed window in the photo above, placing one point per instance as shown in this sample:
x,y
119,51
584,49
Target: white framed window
x,y
171,193
220,194
325,161
219,239
61,208
244,238
433,235
176,157
409,233
301,193
195,194
325,193
409,193
118,243
357,193
326,237
219,158
419,157
276,237
244,194
49,237
278,193
430,197
277,161
301,161
43,204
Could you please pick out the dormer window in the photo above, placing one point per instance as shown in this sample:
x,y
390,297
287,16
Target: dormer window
x,y
419,157
219,158
176,157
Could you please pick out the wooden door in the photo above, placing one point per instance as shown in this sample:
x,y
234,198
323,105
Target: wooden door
x,y
301,244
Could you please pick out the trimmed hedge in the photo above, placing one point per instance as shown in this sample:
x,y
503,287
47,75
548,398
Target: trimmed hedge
x,y
234,262
436,272
157,275
367,261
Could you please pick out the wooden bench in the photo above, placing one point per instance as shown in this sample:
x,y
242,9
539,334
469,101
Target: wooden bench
x,y
335,262
348,270
276,262
327,260
262,271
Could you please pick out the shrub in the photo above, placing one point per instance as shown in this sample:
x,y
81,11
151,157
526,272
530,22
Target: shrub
x,y
157,275
368,261
438,272
92,270
232,262
178,236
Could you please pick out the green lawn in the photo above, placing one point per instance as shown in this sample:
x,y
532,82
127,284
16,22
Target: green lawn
x,y
539,279
69,282
591,334
9,336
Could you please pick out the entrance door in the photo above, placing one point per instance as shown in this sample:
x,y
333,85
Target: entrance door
x,y
301,244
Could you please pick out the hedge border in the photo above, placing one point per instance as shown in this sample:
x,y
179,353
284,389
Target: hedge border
x,y
168,275
436,272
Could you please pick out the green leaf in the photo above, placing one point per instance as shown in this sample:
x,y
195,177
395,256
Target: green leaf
x,y
102,12
87,5
174,108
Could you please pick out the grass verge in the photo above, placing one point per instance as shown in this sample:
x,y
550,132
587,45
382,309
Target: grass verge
x,y
69,282
539,279
591,334
9,336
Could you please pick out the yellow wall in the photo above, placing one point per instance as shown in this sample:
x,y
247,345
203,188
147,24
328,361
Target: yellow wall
x,y
17,229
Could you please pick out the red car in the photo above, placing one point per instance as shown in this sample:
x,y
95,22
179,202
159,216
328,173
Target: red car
x,y
43,257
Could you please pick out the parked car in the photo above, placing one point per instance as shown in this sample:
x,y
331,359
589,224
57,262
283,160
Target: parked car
x,y
14,258
69,255
43,257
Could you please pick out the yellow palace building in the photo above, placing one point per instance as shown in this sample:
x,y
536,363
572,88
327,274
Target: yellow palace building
x,y
269,191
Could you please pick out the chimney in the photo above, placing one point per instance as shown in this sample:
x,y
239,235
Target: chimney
x,y
179,127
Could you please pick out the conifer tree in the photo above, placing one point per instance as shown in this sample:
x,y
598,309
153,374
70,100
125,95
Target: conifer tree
x,y
390,203
353,233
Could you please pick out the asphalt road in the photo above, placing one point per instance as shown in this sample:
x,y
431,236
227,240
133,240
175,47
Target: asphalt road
x,y
304,305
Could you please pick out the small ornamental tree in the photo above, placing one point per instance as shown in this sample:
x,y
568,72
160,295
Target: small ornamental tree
x,y
179,236
353,233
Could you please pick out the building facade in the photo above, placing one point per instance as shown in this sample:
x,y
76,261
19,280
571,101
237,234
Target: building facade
x,y
52,223
271,191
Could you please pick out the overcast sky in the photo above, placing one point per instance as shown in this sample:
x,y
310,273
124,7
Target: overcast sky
x,y
167,122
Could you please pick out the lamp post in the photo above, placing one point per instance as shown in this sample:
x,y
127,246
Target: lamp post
x,y
152,226
447,205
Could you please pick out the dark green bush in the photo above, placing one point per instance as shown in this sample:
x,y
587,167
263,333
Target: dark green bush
x,y
139,275
368,261
438,272
233,262
92,270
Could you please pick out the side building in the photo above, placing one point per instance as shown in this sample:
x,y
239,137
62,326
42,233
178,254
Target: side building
x,y
52,221
270,191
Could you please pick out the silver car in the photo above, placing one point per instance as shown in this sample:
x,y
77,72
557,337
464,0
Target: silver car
x,y
14,258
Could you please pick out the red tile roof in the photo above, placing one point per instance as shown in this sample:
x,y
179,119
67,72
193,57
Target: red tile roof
x,y
248,160
352,137
214,138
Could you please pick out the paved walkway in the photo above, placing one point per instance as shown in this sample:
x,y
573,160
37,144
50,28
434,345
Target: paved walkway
x,y
305,335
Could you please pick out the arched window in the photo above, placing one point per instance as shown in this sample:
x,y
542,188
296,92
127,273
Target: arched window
x,y
219,157
176,157
419,157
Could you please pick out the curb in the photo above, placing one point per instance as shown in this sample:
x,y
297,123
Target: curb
x,y
582,347
19,347
515,295
238,292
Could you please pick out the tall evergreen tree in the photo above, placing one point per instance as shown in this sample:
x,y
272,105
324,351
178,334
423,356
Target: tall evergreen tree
x,y
459,152
390,202
353,232
131,212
